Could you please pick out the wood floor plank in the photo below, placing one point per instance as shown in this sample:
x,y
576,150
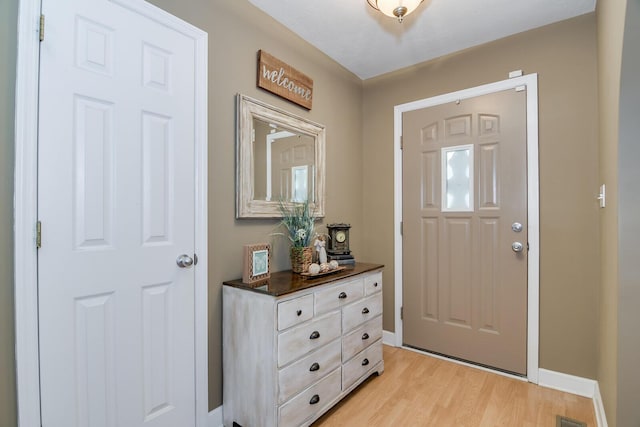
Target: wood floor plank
x,y
419,390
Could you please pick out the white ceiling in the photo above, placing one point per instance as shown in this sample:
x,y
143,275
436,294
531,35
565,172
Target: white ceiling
x,y
368,43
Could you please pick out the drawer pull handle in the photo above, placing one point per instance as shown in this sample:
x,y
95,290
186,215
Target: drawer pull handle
x,y
314,367
315,399
314,335
365,362
299,312
365,310
342,295
375,285
365,336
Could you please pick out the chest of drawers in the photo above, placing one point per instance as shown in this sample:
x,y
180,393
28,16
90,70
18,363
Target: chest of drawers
x,y
293,348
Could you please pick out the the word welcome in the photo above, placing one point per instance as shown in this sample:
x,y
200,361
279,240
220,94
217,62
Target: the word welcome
x,y
282,79
277,77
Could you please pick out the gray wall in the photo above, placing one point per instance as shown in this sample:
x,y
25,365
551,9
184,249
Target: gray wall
x,y
629,224
8,40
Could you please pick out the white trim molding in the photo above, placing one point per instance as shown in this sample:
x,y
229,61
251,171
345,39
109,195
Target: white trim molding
x,y
389,338
215,418
25,214
530,82
575,385
25,207
598,405
565,382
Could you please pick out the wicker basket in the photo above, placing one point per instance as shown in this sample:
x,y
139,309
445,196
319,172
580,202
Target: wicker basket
x,y
301,259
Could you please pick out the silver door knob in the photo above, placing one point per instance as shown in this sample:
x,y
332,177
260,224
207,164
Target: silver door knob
x,y
517,247
184,261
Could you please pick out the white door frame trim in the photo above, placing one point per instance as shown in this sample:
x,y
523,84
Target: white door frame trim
x,y
26,202
529,81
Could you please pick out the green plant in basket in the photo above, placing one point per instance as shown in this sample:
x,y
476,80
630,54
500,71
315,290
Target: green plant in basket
x,y
298,219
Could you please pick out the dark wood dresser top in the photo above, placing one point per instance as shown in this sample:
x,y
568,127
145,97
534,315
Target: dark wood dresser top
x,y
286,282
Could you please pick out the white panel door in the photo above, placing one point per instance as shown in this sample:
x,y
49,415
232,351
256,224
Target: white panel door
x,y
116,202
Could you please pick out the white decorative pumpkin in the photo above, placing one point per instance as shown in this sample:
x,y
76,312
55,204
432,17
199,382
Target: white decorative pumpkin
x,y
333,264
314,268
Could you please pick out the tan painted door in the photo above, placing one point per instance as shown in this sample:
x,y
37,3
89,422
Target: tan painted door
x,y
464,192
117,203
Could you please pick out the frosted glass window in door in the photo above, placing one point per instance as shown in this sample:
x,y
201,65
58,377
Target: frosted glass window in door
x,y
457,178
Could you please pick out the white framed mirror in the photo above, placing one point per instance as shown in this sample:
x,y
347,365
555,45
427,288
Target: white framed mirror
x,y
279,157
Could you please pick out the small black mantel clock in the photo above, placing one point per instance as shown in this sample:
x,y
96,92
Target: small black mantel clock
x,y
338,239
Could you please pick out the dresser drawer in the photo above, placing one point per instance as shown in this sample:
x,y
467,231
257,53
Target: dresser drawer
x,y
361,311
294,311
362,337
306,371
311,401
373,283
361,364
337,296
304,338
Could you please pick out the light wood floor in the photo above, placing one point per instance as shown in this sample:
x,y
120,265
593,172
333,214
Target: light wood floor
x,y
418,390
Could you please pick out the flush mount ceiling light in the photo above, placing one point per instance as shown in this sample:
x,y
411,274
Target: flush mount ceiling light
x,y
395,8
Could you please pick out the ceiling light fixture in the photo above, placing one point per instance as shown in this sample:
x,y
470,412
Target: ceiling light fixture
x,y
395,8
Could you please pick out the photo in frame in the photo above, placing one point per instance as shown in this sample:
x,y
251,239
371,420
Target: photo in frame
x,y
257,262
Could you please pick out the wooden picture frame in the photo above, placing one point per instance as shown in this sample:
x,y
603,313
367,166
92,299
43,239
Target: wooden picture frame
x,y
256,262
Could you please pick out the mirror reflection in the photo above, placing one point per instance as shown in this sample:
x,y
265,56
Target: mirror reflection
x,y
280,158
284,163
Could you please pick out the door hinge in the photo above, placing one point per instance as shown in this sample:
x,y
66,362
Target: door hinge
x,y
401,313
41,27
401,142
401,227
38,235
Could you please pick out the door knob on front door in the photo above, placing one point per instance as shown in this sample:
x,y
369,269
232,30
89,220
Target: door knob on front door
x,y
517,247
184,261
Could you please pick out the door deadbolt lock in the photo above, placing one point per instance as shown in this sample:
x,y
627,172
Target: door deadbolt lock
x,y
517,227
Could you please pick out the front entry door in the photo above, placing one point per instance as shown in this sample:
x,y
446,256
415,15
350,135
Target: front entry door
x,y
465,230
116,202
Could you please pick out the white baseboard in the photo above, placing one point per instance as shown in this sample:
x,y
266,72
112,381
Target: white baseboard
x,y
215,417
576,385
601,418
565,382
389,338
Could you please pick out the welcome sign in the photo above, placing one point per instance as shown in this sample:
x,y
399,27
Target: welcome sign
x,y
283,80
